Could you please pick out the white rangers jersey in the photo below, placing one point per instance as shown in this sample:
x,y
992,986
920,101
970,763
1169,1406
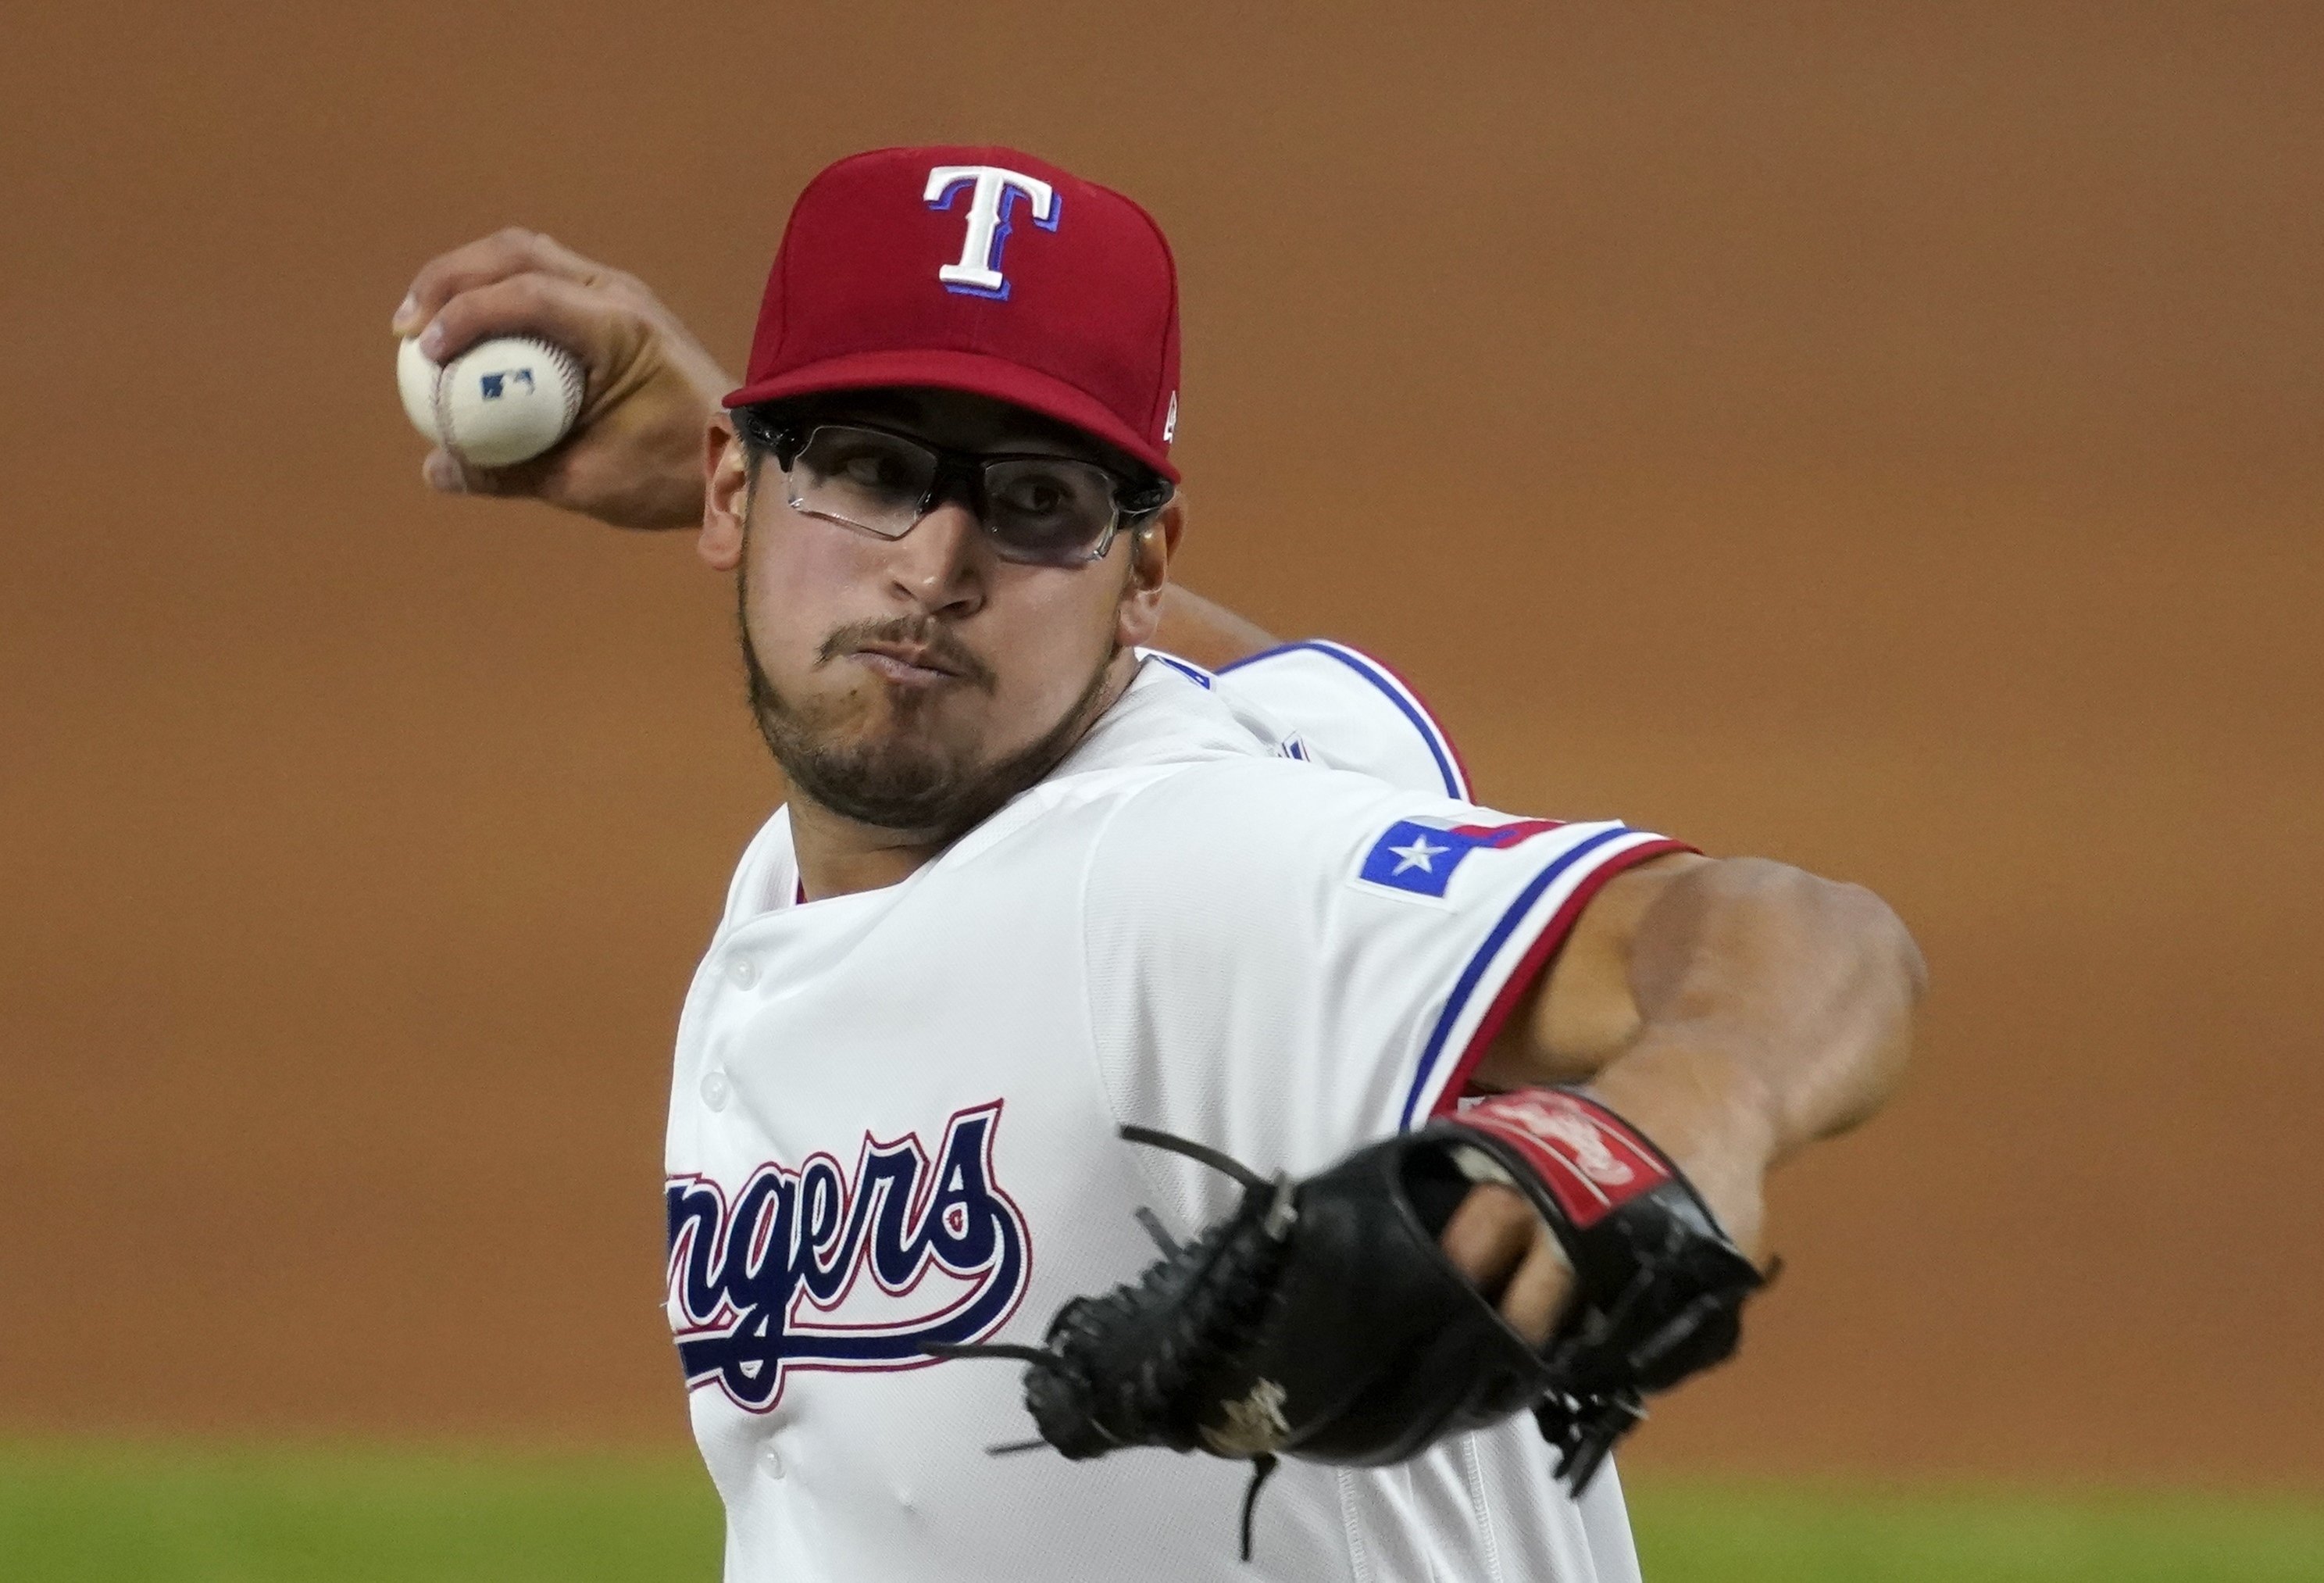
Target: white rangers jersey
x,y
1255,910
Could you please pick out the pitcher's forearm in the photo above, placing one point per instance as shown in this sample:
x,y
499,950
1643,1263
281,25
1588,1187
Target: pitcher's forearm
x,y
1777,1010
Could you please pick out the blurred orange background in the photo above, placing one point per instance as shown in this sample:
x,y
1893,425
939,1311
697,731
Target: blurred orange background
x,y
1885,438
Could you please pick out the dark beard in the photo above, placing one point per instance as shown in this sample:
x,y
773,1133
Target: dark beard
x,y
911,787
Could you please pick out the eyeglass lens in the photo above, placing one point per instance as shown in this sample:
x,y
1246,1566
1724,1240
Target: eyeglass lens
x,y
1050,510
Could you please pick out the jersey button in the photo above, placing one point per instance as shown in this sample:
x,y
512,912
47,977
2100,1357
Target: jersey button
x,y
771,1460
743,971
714,1088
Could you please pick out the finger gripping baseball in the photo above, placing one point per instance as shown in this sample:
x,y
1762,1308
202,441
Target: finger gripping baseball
x,y
1321,1319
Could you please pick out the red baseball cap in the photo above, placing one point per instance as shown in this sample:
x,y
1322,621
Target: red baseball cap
x,y
983,270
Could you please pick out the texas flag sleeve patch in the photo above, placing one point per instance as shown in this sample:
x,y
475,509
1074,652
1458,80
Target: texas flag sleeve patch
x,y
1420,857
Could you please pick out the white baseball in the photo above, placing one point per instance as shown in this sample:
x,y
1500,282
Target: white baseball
x,y
501,400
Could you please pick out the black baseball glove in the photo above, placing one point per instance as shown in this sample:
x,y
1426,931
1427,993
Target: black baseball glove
x,y
1322,1320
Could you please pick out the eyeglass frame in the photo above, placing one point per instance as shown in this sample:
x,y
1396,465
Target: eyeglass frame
x,y
784,442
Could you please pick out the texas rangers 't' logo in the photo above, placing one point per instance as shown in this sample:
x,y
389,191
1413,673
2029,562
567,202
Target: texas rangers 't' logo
x,y
992,194
768,1284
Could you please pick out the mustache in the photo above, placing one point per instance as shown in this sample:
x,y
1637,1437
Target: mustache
x,y
943,645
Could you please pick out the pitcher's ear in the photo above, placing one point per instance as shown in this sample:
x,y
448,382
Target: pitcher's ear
x,y
1154,542
730,477
1151,544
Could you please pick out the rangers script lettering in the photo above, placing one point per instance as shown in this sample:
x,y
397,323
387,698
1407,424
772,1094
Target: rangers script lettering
x,y
745,1282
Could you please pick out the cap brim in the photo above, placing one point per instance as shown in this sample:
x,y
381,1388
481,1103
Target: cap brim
x,y
973,372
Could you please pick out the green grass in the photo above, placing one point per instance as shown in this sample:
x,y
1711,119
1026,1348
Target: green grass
x,y
1696,1534
98,1514
331,1514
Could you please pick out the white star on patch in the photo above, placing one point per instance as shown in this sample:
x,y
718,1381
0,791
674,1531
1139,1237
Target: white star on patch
x,y
1418,856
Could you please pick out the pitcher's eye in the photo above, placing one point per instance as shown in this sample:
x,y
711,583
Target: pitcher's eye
x,y
1036,497
873,470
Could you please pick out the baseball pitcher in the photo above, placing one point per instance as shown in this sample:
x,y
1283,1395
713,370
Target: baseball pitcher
x,y
1137,1116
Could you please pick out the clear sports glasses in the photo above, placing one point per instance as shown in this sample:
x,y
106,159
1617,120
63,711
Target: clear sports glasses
x,y
1040,510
